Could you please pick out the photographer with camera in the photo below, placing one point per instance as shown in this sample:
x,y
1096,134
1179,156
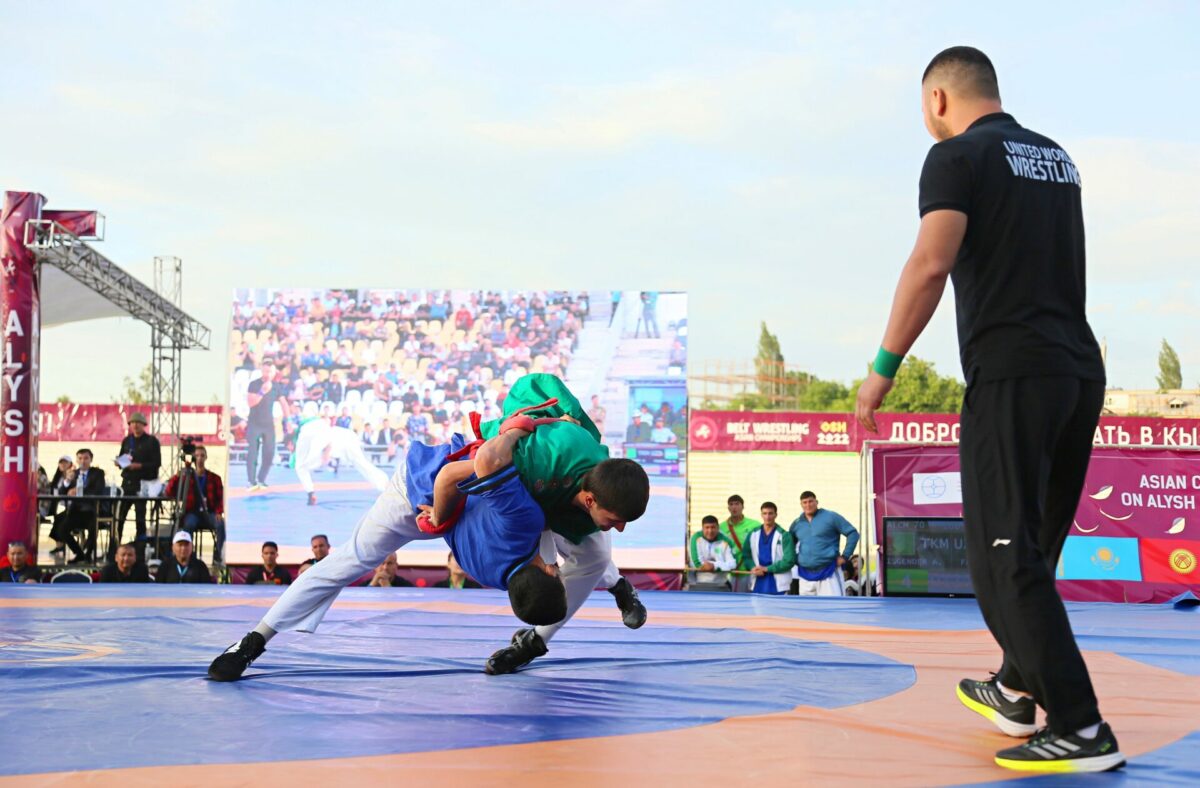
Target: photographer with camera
x,y
201,495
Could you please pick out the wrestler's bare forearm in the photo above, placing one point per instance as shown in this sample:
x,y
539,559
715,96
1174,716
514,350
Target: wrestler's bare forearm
x,y
445,488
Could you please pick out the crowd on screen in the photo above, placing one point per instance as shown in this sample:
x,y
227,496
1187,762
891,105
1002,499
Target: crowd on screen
x,y
396,366
814,556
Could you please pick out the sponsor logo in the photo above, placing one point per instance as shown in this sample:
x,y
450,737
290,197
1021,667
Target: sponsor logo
x,y
933,486
1182,561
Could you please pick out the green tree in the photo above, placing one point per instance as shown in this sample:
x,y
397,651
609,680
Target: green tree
x,y
1170,375
768,364
825,396
750,400
920,389
139,391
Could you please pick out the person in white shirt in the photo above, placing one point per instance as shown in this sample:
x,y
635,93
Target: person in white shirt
x,y
712,553
319,443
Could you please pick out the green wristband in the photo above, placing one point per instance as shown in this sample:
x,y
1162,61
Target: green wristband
x,y
886,363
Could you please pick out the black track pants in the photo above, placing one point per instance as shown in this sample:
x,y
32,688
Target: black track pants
x,y
1024,448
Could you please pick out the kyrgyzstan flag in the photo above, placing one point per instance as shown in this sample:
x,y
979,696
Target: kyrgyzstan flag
x,y
1171,561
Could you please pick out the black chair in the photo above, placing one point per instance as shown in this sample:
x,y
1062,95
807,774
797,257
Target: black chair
x,y
71,576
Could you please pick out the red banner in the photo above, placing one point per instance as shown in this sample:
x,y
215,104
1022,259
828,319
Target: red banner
x,y
80,422
1137,520
20,324
726,430
84,224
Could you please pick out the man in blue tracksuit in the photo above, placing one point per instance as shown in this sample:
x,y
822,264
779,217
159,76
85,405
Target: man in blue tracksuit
x,y
817,534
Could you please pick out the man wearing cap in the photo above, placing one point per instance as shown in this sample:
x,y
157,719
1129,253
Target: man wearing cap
x,y
183,566
144,456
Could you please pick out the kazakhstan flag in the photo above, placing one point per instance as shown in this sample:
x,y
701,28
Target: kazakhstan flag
x,y
1100,558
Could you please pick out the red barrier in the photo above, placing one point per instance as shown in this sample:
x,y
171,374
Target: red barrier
x,y
91,422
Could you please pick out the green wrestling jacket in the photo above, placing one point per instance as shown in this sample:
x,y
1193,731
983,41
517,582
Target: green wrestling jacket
x,y
552,461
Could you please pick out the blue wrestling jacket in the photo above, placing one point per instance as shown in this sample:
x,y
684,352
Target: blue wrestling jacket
x,y
501,526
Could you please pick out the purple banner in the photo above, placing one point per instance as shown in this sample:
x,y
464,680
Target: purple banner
x,y
1136,533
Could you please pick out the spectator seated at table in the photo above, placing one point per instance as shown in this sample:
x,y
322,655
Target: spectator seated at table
x,y
269,572
125,568
386,575
205,504
81,515
182,566
638,431
56,485
662,433
19,570
320,549
457,579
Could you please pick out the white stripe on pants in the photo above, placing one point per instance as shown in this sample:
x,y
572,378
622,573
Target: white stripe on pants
x,y
386,527
586,566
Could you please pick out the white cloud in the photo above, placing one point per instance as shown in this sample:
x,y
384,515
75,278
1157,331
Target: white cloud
x,y
1141,201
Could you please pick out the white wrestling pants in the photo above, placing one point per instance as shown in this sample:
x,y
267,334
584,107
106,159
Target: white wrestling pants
x,y
830,586
318,436
390,524
585,568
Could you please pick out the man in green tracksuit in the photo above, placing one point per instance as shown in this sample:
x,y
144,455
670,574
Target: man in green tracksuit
x,y
737,528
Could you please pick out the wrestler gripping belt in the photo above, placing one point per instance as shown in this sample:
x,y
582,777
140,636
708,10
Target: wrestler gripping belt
x,y
584,495
495,539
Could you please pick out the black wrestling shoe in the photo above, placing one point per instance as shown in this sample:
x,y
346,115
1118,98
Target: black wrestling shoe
x,y
233,663
526,646
312,499
1047,752
1013,717
633,612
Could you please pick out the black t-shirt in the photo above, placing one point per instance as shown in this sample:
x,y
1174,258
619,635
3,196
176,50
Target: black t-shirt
x,y
195,572
1019,281
145,450
137,574
260,414
280,577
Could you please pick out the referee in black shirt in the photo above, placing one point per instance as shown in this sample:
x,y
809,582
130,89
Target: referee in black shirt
x,y
1001,216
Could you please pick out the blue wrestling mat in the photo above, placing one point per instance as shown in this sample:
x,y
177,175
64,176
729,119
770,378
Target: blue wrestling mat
x,y
108,678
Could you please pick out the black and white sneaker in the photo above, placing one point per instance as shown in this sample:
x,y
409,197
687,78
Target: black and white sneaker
x,y
1047,752
1013,717
633,612
527,645
233,663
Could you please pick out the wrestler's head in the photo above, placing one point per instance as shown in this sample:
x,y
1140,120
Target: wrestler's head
x,y
614,493
537,595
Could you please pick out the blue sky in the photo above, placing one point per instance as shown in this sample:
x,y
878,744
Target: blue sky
x,y
763,157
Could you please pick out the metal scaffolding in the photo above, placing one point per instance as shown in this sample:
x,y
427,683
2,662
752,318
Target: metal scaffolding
x,y
172,330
